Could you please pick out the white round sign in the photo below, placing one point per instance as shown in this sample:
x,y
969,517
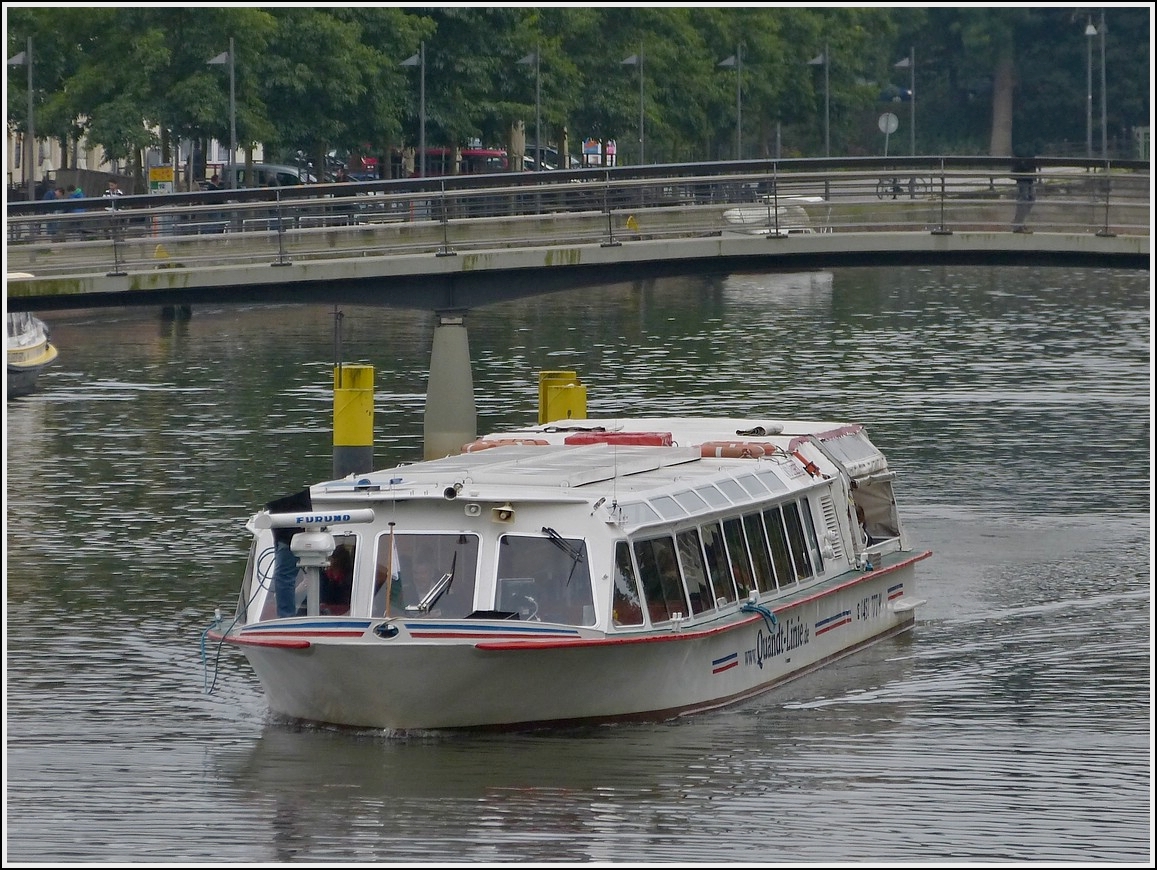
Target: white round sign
x,y
889,123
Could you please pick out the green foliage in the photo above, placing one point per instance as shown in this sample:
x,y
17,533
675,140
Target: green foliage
x,y
329,77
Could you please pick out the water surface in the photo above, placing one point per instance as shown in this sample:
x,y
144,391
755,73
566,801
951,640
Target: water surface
x,y
1014,723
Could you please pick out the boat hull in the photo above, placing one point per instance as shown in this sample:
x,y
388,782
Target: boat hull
x,y
488,674
28,352
24,380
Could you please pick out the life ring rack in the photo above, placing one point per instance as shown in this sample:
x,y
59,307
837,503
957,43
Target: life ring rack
x,y
736,449
487,443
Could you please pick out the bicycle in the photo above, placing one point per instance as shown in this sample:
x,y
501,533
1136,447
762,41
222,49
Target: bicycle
x,y
895,187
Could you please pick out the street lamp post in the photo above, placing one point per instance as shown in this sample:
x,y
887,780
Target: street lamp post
x,y
419,60
910,64
25,58
637,60
1090,32
534,58
736,60
1104,122
228,57
817,61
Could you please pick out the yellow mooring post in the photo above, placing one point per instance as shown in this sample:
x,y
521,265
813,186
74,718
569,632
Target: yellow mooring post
x,y
560,397
353,420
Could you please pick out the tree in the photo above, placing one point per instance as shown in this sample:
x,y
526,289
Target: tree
x,y
315,79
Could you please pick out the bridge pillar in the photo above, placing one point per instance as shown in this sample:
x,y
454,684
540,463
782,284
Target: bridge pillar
x,y
451,417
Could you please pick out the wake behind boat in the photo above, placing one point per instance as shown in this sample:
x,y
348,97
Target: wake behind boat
x,y
579,571
29,351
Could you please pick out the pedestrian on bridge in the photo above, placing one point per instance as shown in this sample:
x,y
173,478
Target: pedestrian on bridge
x,y
1024,167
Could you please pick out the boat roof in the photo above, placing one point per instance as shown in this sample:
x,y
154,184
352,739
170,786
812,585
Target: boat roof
x,y
690,431
638,479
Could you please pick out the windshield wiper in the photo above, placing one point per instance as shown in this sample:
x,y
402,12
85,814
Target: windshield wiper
x,y
562,543
440,588
575,553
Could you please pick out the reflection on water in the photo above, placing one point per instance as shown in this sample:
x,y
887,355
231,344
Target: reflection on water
x,y
1012,724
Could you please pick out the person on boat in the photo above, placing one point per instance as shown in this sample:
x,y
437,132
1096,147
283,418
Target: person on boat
x,y
284,573
337,583
865,538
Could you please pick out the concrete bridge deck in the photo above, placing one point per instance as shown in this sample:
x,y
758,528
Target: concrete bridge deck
x,y
503,237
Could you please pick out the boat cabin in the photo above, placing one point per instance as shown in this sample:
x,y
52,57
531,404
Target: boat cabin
x,y
598,534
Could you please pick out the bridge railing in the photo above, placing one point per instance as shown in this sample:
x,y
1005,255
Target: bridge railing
x,y
557,209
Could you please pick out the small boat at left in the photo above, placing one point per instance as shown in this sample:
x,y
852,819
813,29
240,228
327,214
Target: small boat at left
x,y
29,351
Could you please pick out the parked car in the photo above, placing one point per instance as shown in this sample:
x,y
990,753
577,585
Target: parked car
x,y
265,175
550,158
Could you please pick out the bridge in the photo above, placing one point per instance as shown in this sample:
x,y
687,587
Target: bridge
x,y
464,241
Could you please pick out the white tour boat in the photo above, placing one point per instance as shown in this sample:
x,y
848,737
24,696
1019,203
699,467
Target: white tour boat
x,y
776,216
576,572
29,351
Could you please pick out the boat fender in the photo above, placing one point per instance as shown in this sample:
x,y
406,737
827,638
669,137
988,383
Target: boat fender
x,y
768,616
759,431
735,449
808,466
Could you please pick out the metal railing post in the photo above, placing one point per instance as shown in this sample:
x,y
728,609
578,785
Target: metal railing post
x,y
773,201
1104,232
942,230
117,271
281,258
610,242
445,250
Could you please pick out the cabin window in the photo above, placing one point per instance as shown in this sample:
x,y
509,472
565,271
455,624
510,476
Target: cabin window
x,y
771,480
659,573
324,591
336,579
716,553
809,528
667,507
545,578
694,571
777,537
737,556
691,502
425,575
258,578
711,495
626,606
638,513
795,539
733,491
753,485
760,555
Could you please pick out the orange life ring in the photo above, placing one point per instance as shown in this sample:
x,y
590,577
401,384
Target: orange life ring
x,y
735,449
486,444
